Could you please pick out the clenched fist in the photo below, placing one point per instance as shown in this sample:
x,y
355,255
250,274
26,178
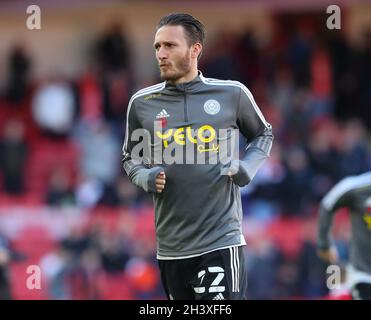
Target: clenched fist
x,y
160,181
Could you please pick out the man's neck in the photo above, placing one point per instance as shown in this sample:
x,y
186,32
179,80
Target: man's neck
x,y
187,78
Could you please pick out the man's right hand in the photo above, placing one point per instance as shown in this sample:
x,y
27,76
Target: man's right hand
x,y
160,182
329,255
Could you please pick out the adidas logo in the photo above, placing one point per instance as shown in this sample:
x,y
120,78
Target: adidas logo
x,y
162,114
219,296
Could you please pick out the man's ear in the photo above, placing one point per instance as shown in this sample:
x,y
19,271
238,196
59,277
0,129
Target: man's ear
x,y
196,50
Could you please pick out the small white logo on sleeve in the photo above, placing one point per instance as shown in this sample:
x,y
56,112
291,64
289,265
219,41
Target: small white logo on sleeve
x,y
212,107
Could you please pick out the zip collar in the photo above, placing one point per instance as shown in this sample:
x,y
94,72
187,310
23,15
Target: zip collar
x,y
186,86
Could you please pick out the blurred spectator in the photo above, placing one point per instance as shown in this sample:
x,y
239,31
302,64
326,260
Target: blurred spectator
x,y
53,107
55,269
144,277
299,52
287,280
261,198
85,277
99,160
295,188
116,88
112,254
13,156
112,48
353,158
5,259
19,65
282,91
121,193
115,80
298,118
90,96
364,74
88,192
344,78
249,58
312,270
221,62
60,191
263,259
322,156
321,82
77,242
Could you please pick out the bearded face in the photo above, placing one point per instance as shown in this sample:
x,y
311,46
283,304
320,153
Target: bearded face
x,y
173,53
176,68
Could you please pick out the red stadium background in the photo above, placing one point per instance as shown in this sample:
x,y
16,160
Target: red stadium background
x,y
66,205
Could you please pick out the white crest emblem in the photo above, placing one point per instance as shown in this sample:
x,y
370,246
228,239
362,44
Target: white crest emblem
x,y
212,106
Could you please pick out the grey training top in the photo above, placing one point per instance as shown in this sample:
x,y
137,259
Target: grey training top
x,y
200,208
353,193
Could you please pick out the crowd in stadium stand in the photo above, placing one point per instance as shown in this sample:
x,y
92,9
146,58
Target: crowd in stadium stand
x,y
60,146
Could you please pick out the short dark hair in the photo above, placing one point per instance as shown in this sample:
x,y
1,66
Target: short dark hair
x,y
194,29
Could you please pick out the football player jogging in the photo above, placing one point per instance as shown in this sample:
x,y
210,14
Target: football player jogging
x,y
198,211
353,193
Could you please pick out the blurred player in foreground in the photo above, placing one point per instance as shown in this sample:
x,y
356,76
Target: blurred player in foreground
x,y
353,193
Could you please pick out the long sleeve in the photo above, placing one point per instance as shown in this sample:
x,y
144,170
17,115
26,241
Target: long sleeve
x,y
138,173
324,227
339,196
258,134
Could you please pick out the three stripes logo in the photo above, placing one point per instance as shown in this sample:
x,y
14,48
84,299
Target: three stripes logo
x,y
219,296
161,116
